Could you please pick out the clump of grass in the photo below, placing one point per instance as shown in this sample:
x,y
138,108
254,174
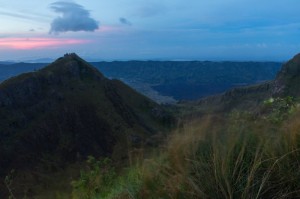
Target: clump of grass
x,y
235,157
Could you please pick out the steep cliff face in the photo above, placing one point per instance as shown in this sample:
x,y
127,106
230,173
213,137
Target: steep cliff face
x,y
69,110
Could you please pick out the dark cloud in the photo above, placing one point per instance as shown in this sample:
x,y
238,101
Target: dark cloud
x,y
125,21
74,18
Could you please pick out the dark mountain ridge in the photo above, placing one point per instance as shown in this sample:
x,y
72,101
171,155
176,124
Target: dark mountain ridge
x,y
69,110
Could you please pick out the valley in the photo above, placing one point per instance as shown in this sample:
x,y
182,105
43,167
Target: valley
x,y
171,81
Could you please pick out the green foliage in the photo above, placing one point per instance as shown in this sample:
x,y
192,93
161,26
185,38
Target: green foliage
x,y
126,185
278,109
100,180
97,179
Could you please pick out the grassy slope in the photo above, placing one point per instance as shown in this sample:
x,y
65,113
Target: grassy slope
x,y
250,152
238,156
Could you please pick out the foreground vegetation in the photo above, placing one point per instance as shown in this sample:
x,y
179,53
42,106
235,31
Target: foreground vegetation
x,y
237,155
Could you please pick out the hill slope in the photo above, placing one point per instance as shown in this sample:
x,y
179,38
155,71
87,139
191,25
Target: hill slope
x,y
286,83
68,110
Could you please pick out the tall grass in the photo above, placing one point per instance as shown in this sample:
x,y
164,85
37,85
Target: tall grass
x,y
239,155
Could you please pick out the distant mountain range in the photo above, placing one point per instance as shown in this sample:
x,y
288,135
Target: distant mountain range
x,y
170,81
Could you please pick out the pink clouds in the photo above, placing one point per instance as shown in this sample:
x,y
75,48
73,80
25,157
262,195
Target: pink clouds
x,y
37,43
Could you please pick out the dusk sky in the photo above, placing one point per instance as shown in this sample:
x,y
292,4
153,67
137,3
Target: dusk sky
x,y
257,30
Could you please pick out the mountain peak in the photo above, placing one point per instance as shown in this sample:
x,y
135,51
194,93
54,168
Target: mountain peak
x,y
71,65
71,55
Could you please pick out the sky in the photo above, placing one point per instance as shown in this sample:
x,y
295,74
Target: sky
x,y
238,30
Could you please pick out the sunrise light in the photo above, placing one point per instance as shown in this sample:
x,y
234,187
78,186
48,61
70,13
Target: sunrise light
x,y
37,43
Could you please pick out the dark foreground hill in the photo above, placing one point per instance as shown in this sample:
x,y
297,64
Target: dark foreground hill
x,y
69,110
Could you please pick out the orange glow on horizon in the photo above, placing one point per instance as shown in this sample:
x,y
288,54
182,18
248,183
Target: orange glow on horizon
x,y
37,43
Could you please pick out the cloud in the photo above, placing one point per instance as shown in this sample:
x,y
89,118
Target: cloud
x,y
15,15
125,21
24,16
74,18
